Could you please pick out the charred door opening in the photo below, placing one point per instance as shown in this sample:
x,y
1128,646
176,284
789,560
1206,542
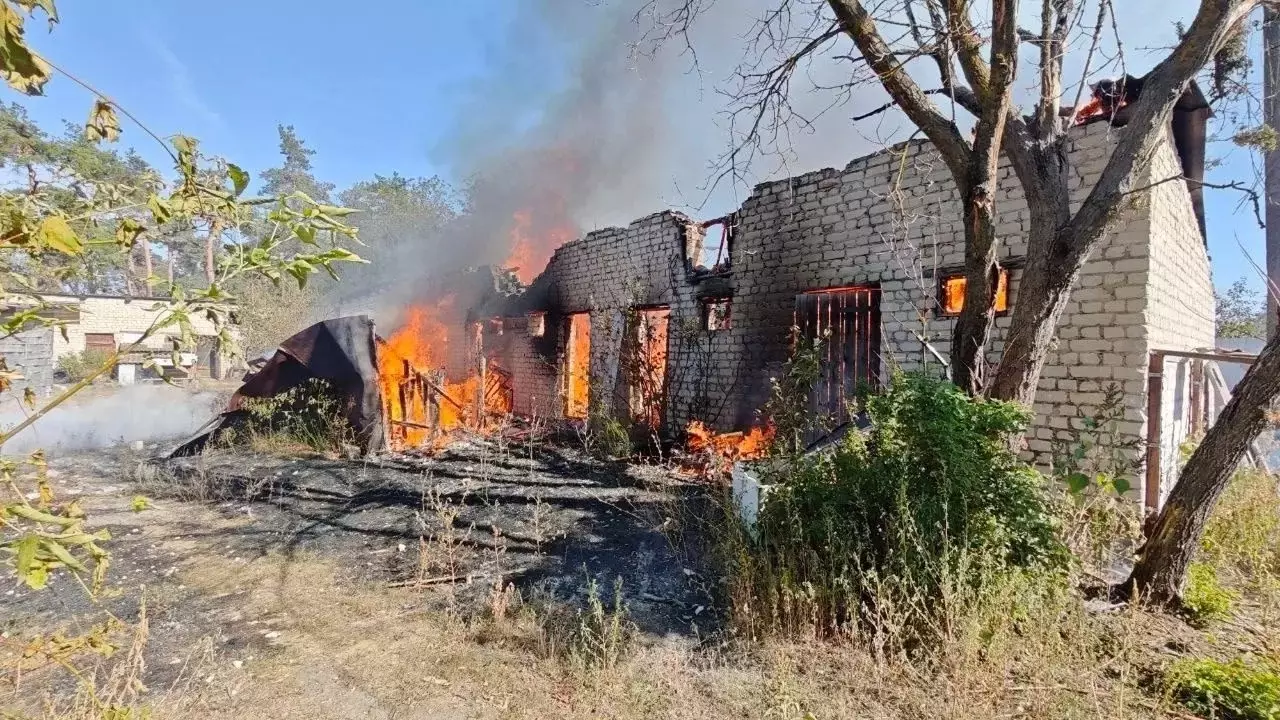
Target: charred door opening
x,y
577,359
646,355
848,322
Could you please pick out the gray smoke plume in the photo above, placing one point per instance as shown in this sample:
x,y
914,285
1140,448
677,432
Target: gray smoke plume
x,y
624,128
147,413
579,121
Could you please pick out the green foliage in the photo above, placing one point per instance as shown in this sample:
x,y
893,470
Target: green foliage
x,y
310,414
602,633
1259,137
1092,469
1241,311
1233,690
610,436
42,537
1242,537
78,366
1205,598
924,513
788,407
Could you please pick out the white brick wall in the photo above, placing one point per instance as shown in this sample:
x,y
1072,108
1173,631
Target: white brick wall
x,y
126,318
890,219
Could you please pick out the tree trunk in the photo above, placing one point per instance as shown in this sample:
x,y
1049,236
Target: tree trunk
x,y
1161,569
130,270
146,260
172,256
973,327
1048,276
210,242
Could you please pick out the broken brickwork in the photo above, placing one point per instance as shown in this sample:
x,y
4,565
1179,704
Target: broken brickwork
x,y
888,226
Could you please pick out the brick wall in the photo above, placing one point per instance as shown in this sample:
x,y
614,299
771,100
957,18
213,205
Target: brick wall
x,y
891,220
126,318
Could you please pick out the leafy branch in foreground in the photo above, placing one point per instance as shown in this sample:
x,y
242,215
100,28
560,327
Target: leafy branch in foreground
x,y
69,213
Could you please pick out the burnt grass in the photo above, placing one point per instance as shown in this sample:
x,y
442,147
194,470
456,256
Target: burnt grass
x,y
549,519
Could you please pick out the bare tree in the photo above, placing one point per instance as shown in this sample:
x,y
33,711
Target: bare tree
x,y
935,62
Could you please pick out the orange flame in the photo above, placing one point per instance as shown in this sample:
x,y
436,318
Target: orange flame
x,y
534,240
420,402
719,450
578,392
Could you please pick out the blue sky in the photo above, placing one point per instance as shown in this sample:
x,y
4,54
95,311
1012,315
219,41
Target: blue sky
x,y
374,90
369,89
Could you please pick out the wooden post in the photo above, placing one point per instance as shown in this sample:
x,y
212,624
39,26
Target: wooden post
x,y
1155,396
1197,397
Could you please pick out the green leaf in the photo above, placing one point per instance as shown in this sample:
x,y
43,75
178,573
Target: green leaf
x,y
335,211
127,233
140,503
103,123
64,556
23,70
239,178
46,5
27,547
37,577
1077,482
160,209
30,513
54,232
185,144
1121,485
305,233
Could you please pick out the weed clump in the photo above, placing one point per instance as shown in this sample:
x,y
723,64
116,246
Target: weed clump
x,y
1242,538
1205,599
901,527
593,639
1233,690
310,414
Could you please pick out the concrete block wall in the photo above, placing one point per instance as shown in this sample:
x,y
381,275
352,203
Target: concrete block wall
x,y
1181,305
30,353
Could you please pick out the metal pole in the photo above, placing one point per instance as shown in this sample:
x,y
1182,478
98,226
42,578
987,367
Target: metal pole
x,y
1271,115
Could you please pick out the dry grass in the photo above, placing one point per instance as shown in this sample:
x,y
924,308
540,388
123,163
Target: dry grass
x,y
368,651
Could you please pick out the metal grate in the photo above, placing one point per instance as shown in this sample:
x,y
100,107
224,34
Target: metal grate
x,y
851,353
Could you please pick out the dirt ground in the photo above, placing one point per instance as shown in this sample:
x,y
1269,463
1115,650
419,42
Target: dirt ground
x,y
308,586
281,585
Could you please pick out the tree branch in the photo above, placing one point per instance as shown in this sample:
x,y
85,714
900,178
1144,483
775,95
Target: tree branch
x,y
857,23
1150,114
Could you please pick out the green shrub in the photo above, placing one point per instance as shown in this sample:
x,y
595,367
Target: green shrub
x,y
1242,537
310,414
78,366
896,528
1227,691
1205,598
1093,467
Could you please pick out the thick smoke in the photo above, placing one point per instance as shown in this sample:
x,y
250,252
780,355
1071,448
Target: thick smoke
x,y
577,123
616,130
147,413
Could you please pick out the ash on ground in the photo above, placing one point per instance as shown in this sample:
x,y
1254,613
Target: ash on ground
x,y
552,520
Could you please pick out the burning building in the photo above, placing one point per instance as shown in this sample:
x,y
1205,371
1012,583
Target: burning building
x,y
677,327
671,321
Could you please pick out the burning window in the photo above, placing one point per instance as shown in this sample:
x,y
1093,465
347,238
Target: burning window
x,y
497,326
951,292
537,324
578,365
716,314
